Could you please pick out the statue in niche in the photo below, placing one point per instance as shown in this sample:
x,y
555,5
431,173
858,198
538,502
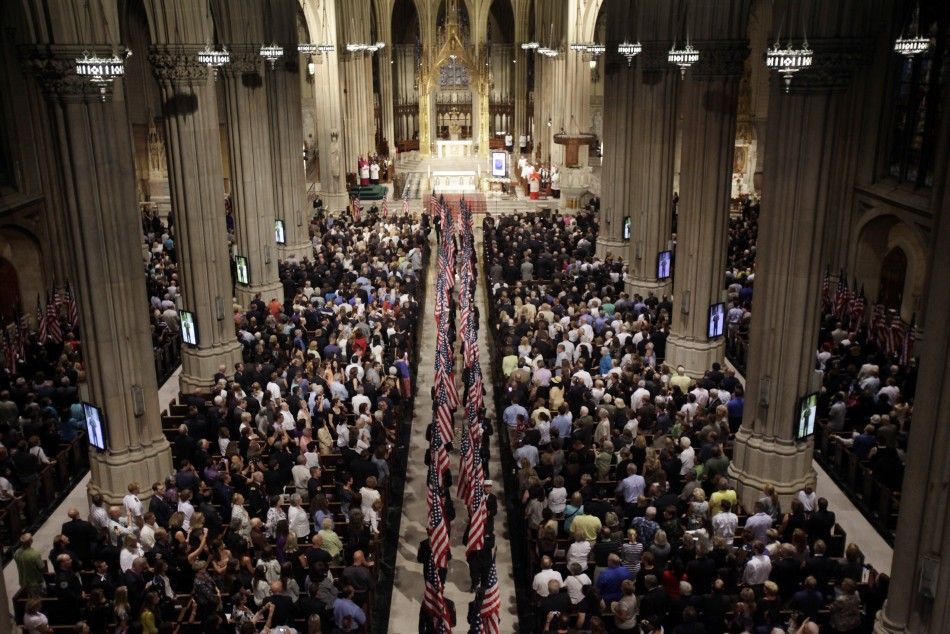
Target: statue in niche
x,y
157,167
334,156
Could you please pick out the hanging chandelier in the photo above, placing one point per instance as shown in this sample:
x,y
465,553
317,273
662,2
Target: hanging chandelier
x,y
529,46
307,48
629,50
913,44
789,60
578,47
214,59
683,57
101,71
271,53
596,50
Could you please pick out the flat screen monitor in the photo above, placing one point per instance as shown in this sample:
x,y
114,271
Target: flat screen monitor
x,y
627,227
716,320
95,426
806,415
243,275
189,329
499,164
280,236
664,265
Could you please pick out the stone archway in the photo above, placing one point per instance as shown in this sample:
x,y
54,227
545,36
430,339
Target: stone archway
x,y
879,234
21,270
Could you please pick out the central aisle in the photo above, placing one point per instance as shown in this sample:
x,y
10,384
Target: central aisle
x,y
409,585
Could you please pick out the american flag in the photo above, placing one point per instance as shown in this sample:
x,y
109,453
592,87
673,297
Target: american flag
x,y
72,309
357,209
907,346
878,329
41,334
57,297
437,529
53,327
842,297
857,311
434,599
385,207
491,605
826,292
895,339
9,351
405,201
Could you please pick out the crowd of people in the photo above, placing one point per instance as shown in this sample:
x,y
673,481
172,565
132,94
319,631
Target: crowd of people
x,y
630,518
274,511
161,280
740,277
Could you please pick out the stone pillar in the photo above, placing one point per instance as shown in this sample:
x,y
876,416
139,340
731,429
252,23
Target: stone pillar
x,y
385,61
649,145
252,176
619,81
328,102
193,142
786,306
356,74
709,101
282,84
520,126
93,152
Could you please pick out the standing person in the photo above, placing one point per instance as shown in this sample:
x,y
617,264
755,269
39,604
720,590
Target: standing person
x,y
29,566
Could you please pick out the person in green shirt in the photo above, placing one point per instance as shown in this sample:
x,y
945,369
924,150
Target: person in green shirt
x,y
716,465
30,566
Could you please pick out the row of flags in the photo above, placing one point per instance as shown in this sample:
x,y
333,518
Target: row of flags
x,y
61,314
884,327
471,474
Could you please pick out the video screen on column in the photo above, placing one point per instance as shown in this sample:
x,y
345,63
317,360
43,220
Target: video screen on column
x,y
189,330
716,320
95,426
664,265
499,164
627,228
280,235
243,275
807,413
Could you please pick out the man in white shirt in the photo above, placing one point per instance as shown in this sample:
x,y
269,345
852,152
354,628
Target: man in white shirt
x,y
760,523
640,397
576,583
687,456
360,399
540,583
132,504
759,566
808,498
297,518
301,475
579,552
147,533
724,524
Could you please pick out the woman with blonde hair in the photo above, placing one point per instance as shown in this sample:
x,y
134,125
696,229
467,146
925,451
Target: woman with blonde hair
x,y
698,511
630,552
122,609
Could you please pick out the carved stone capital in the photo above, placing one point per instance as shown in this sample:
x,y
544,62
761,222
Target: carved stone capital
x,y
178,64
245,59
834,64
55,70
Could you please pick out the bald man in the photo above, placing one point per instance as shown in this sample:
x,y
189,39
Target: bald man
x,y
82,535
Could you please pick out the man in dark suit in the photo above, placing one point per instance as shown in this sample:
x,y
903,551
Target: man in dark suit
x,y
134,580
821,523
159,505
82,535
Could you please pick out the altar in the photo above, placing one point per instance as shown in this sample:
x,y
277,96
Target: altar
x,y
454,148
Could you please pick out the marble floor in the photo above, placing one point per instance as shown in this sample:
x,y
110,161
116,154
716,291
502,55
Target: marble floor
x,y
409,586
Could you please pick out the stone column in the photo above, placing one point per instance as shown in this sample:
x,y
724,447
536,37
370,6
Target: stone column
x,y
520,126
94,155
356,74
195,178
786,306
328,98
650,147
252,175
282,84
619,82
385,61
709,101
